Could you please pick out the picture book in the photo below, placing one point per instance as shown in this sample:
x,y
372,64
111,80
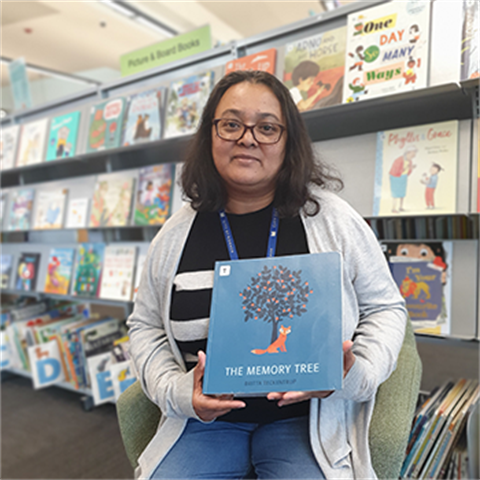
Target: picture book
x,y
186,99
88,270
423,273
138,273
77,213
112,200
154,193
62,138
27,271
106,122
100,336
387,50
416,170
6,265
45,364
50,209
8,146
101,383
59,271
314,69
264,61
32,143
118,269
143,120
122,375
283,320
20,209
470,49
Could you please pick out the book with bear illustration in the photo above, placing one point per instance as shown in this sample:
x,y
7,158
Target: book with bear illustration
x,y
284,322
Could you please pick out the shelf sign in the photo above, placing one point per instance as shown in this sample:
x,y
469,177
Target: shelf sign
x,y
19,84
176,48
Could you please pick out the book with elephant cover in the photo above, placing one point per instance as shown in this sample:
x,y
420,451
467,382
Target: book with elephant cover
x,y
275,325
314,68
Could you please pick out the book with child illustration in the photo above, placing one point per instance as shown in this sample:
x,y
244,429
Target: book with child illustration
x,y
264,61
387,50
416,170
284,322
62,138
314,69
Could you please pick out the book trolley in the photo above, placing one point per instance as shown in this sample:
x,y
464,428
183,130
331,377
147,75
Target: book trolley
x,y
344,135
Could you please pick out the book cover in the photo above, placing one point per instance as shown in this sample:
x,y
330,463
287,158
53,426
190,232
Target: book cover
x,y
154,192
186,99
46,364
88,271
138,273
77,213
8,146
118,269
50,209
59,271
62,138
6,265
423,273
264,61
387,50
20,209
470,47
27,271
101,382
416,170
106,123
112,200
275,325
32,143
143,121
314,69
122,375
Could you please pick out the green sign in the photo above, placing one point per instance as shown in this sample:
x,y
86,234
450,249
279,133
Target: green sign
x,y
167,51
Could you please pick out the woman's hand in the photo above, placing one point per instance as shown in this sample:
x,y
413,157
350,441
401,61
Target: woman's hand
x,y
209,407
287,398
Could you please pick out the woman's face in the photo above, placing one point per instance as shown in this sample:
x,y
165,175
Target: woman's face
x,y
247,167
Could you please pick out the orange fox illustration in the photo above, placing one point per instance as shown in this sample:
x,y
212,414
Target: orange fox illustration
x,y
279,343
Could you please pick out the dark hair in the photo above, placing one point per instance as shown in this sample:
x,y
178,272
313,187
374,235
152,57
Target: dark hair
x,y
204,186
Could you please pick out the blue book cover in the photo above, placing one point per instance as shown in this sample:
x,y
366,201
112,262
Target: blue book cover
x,y
276,325
62,140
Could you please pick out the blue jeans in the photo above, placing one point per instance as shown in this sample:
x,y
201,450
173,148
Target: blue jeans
x,y
226,450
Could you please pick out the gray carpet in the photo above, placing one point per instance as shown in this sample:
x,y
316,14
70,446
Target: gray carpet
x,y
47,434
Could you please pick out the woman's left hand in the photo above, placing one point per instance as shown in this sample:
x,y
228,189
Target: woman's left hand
x,y
287,398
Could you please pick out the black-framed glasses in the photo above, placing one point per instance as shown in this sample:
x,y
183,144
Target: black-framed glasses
x,y
263,132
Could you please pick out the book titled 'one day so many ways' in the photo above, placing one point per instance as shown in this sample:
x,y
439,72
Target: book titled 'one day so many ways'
x,y
276,325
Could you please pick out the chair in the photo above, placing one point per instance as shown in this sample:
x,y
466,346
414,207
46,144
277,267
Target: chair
x,y
391,421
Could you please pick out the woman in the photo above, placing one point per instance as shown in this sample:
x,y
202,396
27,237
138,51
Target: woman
x,y
250,155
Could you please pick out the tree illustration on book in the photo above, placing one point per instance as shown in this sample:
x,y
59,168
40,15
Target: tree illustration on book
x,y
274,295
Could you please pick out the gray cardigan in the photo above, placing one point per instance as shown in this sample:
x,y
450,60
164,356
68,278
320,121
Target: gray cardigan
x,y
374,316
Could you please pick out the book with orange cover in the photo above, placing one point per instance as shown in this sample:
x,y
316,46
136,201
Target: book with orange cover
x,y
264,61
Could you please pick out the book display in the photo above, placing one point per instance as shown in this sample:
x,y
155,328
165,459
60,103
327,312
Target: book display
x,y
62,139
77,213
50,209
8,146
118,270
59,271
88,269
27,271
20,209
32,143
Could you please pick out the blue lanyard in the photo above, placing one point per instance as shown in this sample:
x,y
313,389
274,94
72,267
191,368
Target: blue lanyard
x,y
227,231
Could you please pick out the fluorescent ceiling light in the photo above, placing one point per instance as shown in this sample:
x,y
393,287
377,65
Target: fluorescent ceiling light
x,y
118,8
147,23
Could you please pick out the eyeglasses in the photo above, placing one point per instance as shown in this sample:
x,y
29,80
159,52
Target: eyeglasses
x,y
233,130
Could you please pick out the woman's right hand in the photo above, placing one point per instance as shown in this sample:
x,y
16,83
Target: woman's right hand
x,y
209,407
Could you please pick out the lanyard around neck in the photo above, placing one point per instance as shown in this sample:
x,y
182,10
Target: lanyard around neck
x,y
227,232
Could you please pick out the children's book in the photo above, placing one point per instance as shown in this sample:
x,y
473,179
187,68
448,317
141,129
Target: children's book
x,y
50,209
106,123
112,200
99,373
387,50
264,61
178,200
143,121
8,146
20,209
470,59
32,143
27,271
154,193
59,271
423,273
416,170
186,99
314,69
6,264
77,213
275,325
138,273
88,270
118,270
62,139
